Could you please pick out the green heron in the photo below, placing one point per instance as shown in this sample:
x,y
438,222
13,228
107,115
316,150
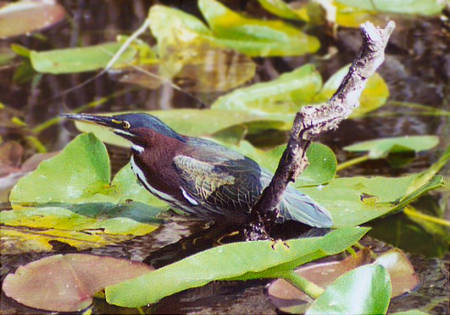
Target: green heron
x,y
199,176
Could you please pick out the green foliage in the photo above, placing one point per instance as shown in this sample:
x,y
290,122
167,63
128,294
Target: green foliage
x,y
365,290
255,37
321,168
422,7
71,193
382,147
283,97
279,99
373,96
73,60
236,261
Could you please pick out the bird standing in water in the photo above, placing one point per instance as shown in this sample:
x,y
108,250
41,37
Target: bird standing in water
x,y
201,177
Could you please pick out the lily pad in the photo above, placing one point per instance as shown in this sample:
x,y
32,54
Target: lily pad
x,y
291,300
72,193
420,7
74,60
374,95
67,283
282,9
364,290
189,56
255,37
280,98
236,261
33,16
382,147
344,197
321,168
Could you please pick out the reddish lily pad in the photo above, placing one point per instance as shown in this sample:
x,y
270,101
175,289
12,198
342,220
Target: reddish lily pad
x,y
33,16
290,299
66,283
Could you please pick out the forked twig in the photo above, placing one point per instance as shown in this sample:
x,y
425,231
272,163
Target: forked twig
x,y
311,121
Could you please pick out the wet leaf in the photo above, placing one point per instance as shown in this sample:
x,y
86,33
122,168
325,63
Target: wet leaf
x,y
82,164
190,57
255,37
321,168
379,148
373,96
349,16
364,290
33,16
207,122
411,312
236,261
342,196
420,7
16,240
67,283
283,10
428,174
73,60
290,299
402,274
72,192
279,99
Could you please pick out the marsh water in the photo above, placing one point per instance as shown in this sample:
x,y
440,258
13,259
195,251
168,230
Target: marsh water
x,y
416,70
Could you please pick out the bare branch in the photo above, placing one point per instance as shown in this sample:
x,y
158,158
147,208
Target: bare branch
x,y
311,121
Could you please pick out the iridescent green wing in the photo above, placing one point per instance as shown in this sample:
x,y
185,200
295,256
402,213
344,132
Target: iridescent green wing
x,y
218,183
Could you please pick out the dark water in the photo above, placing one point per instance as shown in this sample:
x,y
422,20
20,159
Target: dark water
x,y
416,70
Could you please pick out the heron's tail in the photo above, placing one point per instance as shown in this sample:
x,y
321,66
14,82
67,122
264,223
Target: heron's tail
x,y
299,207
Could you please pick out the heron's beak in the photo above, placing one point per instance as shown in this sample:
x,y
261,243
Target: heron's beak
x,y
96,119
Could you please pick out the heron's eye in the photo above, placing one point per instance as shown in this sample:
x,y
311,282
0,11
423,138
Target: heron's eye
x,y
126,124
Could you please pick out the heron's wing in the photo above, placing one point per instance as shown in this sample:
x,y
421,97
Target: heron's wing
x,y
225,179
218,183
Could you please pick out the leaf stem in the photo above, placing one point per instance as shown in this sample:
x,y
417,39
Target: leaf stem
x,y
303,284
352,162
409,211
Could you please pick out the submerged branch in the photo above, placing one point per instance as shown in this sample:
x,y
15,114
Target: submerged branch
x,y
311,121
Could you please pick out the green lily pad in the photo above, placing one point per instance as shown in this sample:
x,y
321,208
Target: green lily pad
x,y
411,312
382,147
282,9
373,96
190,57
364,290
290,299
255,37
420,7
236,261
73,60
321,168
280,98
72,192
344,197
